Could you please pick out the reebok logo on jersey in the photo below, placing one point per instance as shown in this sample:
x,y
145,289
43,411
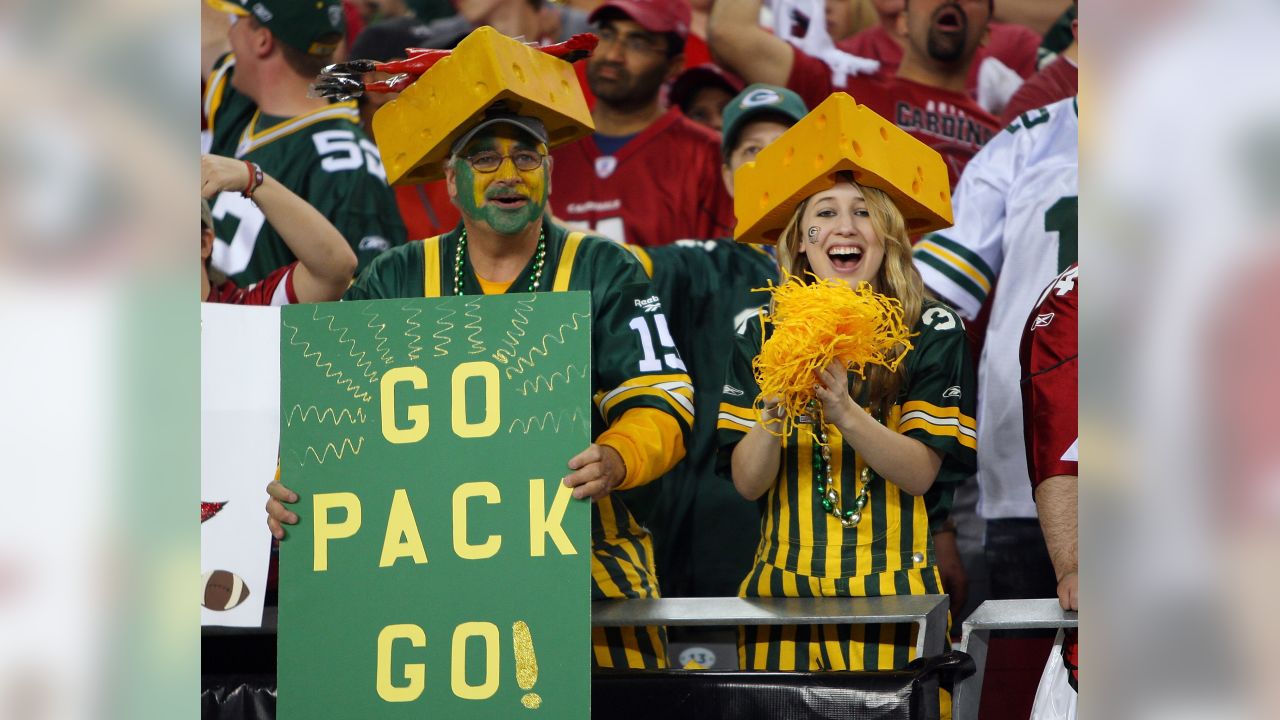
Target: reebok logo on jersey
x,y
732,391
1042,321
373,242
951,392
605,166
649,304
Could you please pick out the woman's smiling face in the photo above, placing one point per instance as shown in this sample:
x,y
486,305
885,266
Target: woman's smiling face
x,y
838,238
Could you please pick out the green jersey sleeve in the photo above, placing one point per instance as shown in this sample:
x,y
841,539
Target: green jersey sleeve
x,y
635,360
938,400
738,396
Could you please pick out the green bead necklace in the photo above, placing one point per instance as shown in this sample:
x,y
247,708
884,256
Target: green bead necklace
x,y
827,493
539,256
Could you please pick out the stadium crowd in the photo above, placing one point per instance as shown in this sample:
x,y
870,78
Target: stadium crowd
x,y
296,208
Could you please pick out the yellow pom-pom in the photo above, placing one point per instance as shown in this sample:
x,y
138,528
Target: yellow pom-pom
x,y
822,321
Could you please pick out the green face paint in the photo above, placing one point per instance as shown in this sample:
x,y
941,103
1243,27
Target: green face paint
x,y
480,195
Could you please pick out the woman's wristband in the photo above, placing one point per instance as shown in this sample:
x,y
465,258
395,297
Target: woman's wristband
x,y
255,178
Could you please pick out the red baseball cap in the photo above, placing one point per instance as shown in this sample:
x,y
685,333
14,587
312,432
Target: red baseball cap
x,y
659,16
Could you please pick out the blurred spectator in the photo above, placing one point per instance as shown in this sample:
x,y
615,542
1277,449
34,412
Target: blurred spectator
x,y
647,176
534,21
1060,35
704,533
258,109
1013,46
1036,15
429,10
1015,223
1050,375
1059,79
425,208
355,23
926,97
702,92
375,11
325,263
846,18
696,51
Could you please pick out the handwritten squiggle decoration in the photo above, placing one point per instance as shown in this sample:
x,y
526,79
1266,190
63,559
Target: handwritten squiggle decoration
x,y
518,323
477,346
337,451
327,366
327,415
558,337
415,345
382,349
361,363
548,418
445,327
550,380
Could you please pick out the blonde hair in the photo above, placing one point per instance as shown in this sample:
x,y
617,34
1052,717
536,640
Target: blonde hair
x,y
897,278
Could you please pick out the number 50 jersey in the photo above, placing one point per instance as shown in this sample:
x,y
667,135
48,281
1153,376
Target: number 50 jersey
x,y
322,156
1015,226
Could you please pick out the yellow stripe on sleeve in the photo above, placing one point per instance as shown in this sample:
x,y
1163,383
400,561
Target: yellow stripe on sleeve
x,y
956,262
940,421
939,412
650,442
643,256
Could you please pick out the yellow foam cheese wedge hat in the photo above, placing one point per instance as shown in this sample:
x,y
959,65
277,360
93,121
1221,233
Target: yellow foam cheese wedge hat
x,y
416,130
839,135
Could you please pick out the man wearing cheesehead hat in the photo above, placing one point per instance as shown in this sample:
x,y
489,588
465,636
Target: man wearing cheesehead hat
x,y
856,468
258,110
492,151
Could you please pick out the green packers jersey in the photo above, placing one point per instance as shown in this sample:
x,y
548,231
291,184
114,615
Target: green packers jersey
x,y
935,406
322,156
634,362
708,290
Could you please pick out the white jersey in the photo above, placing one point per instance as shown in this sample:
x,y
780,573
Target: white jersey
x,y
1015,231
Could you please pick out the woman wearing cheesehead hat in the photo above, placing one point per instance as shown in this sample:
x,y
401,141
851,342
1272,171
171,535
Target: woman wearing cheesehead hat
x,y
848,466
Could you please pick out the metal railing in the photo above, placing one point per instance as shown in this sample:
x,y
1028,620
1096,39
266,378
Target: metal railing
x,y
1001,615
927,611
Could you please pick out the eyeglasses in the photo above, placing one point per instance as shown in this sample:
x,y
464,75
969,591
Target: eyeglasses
x,y
633,43
489,161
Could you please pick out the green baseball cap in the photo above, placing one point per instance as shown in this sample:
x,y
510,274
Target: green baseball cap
x,y
313,26
754,101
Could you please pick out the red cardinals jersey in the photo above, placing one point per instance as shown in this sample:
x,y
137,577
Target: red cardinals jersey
x,y
274,289
1050,369
951,123
663,185
1014,45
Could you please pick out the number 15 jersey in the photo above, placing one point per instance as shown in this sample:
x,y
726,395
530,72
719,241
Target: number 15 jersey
x,y
322,156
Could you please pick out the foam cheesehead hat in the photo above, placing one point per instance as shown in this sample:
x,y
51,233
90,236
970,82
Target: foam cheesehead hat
x,y
313,26
756,101
489,78
838,136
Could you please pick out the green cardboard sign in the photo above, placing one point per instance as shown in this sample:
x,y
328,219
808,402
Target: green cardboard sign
x,y
439,567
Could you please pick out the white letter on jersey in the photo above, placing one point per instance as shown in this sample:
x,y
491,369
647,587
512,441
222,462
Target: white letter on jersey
x,y
232,257
939,319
